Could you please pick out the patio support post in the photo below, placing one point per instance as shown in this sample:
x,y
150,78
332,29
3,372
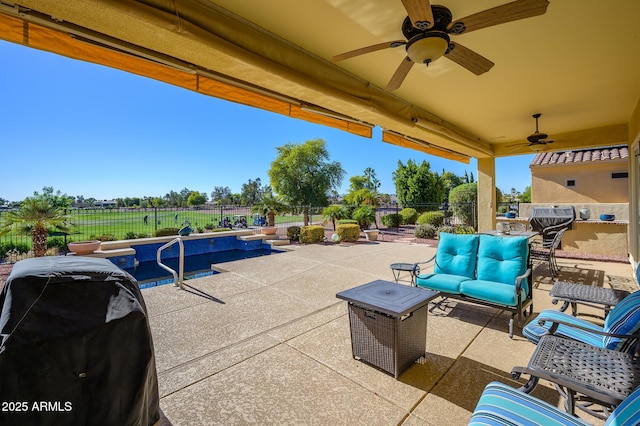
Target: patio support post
x,y
486,194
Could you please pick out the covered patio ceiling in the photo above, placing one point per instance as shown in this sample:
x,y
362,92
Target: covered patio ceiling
x,y
576,64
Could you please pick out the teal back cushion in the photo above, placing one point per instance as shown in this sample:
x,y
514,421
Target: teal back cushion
x,y
502,259
457,254
624,318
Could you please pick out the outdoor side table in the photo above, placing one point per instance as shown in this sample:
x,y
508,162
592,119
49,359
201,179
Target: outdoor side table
x,y
595,297
399,268
582,372
388,324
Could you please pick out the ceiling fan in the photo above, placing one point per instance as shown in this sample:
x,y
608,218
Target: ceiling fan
x,y
538,139
427,29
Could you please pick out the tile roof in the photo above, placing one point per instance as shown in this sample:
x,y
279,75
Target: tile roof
x,y
583,156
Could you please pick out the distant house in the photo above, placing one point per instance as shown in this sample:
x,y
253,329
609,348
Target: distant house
x,y
106,204
597,175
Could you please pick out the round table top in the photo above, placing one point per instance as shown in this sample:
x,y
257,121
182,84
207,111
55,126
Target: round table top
x,y
403,266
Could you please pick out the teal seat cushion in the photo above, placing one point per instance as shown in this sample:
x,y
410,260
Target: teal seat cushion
x,y
441,282
502,259
457,254
624,318
490,291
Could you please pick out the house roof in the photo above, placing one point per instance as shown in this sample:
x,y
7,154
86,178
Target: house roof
x,y
582,156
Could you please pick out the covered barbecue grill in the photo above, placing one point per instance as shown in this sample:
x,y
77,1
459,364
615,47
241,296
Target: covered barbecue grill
x,y
75,345
551,219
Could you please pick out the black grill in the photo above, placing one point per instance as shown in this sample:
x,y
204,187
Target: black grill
x,y
545,219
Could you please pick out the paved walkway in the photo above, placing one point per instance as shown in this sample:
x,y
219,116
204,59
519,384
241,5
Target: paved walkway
x,y
267,342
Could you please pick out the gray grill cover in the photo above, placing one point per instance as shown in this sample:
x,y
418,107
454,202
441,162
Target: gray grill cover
x,y
76,346
558,217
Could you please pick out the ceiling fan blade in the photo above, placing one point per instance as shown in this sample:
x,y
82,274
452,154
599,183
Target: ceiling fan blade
x,y
400,74
519,9
469,59
420,13
368,49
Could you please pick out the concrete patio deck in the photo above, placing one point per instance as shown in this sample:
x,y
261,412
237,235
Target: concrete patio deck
x,y
267,342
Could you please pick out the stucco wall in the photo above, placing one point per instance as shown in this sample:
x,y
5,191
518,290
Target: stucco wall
x,y
593,183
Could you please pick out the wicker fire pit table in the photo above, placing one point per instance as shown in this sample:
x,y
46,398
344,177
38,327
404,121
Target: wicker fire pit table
x,y
388,324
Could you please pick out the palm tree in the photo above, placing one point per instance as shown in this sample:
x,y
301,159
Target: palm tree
x,y
270,205
35,216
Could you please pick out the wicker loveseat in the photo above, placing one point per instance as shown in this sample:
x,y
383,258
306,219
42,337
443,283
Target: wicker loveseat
x,y
485,269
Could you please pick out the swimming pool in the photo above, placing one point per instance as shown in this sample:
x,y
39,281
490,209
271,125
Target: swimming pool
x,y
149,274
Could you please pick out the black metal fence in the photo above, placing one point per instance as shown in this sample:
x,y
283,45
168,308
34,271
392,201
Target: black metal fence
x,y
129,223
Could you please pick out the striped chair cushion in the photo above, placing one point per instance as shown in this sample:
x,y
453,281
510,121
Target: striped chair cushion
x,y
534,331
500,404
628,412
624,318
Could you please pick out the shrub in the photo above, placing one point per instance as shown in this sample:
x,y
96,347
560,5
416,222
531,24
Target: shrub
x,y
432,218
55,242
348,232
166,232
409,216
209,226
449,229
427,231
293,233
103,237
311,234
20,248
463,229
347,222
392,220
130,235
365,215
221,229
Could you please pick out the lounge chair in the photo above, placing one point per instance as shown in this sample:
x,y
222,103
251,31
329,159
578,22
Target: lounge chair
x,y
620,330
500,404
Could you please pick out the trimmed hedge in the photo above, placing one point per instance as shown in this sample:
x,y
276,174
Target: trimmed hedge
x,y
432,218
293,233
348,232
311,234
409,216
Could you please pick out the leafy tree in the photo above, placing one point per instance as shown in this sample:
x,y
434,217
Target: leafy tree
x,y
417,184
363,189
525,197
36,216
463,199
251,192
221,195
303,175
450,181
197,199
56,198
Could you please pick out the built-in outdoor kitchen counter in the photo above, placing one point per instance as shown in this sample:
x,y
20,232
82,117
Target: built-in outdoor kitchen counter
x,y
591,236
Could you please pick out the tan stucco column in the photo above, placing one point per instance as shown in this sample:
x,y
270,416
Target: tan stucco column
x,y
486,194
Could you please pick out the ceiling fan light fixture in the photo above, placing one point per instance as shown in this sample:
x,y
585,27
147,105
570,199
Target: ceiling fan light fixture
x,y
427,47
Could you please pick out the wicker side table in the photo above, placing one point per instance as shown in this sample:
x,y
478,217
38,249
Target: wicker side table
x,y
582,372
596,297
388,324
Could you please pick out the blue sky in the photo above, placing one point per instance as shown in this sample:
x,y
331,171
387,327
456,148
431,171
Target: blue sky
x,y
94,131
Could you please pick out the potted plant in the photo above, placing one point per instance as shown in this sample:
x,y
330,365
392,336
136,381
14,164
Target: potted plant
x,y
269,205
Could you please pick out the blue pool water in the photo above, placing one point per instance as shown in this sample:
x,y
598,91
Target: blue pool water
x,y
149,274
